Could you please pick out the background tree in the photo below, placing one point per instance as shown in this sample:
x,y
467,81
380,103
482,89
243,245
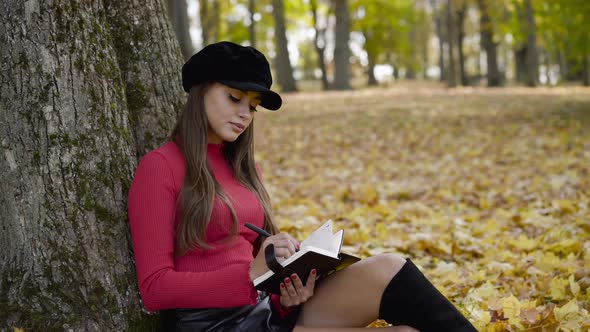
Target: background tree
x,y
441,36
252,26
521,47
320,39
532,52
452,79
392,34
562,33
519,28
178,14
461,12
151,78
246,22
82,99
488,45
209,13
341,50
282,62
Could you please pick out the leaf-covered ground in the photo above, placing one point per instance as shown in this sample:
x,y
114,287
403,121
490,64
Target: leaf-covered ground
x,y
488,191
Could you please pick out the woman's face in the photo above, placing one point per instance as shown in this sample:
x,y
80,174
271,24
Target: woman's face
x,y
229,112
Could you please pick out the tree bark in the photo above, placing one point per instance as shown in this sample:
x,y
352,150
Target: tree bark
x,y
520,63
371,70
282,61
494,77
319,43
209,15
178,14
441,48
532,58
68,155
563,67
411,69
452,79
586,70
393,64
252,26
205,21
341,49
460,36
150,61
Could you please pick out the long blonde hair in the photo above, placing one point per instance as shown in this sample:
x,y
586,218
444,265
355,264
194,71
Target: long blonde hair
x,y
200,187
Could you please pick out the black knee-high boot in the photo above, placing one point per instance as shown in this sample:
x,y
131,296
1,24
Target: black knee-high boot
x,y
410,299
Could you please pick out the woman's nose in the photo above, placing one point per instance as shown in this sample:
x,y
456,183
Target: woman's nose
x,y
244,110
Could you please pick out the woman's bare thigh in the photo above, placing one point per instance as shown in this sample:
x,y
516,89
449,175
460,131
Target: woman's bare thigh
x,y
351,297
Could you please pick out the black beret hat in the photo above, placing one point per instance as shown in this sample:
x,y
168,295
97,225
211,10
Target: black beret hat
x,y
239,67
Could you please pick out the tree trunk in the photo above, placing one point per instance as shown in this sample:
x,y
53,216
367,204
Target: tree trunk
x,y
319,43
209,15
393,64
178,14
425,47
478,64
520,63
563,68
371,70
205,21
494,77
452,81
438,25
341,49
586,70
151,74
411,70
545,60
215,22
282,61
460,36
441,48
532,64
68,156
252,26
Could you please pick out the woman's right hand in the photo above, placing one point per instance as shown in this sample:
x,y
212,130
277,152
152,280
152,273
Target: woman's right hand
x,y
285,246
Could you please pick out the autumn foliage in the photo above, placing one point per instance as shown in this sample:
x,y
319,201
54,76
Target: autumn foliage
x,y
488,191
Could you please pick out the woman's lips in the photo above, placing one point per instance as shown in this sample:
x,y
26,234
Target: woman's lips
x,y
238,128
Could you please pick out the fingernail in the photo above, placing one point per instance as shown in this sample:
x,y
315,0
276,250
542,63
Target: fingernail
x,y
293,276
313,271
282,285
287,281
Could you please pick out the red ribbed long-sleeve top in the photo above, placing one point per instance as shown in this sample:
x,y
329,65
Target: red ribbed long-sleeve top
x,y
212,278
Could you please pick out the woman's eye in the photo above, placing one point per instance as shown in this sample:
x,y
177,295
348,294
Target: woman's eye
x,y
234,99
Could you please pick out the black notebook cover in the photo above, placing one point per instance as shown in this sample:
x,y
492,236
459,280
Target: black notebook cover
x,y
302,266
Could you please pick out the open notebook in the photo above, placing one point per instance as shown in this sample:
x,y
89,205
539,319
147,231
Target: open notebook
x,y
320,251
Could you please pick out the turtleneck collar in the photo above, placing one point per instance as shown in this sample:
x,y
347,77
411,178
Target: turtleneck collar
x,y
215,149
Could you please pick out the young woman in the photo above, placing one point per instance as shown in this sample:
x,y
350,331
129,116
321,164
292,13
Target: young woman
x,y
195,259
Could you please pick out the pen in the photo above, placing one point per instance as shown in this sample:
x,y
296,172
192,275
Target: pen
x,y
262,232
258,230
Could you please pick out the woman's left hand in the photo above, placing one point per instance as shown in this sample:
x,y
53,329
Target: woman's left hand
x,y
294,293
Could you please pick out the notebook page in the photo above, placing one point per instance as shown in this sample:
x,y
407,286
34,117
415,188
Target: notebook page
x,y
336,242
321,237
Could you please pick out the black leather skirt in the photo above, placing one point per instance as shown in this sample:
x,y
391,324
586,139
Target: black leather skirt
x,y
260,317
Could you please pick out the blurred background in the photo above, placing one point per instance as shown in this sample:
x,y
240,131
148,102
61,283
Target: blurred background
x,y
339,44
